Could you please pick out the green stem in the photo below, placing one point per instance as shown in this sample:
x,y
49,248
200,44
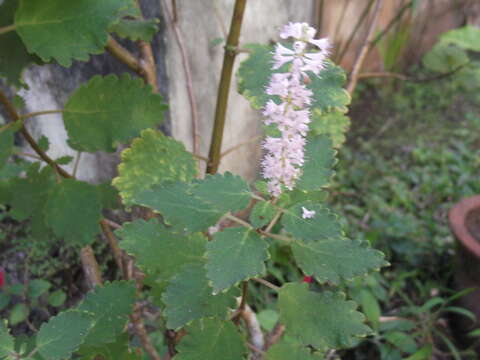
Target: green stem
x,y
224,87
239,221
37,113
6,29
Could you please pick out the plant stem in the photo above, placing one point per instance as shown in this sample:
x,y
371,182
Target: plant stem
x,y
125,56
90,267
239,221
188,74
37,113
267,284
77,162
365,48
113,243
233,148
6,29
224,87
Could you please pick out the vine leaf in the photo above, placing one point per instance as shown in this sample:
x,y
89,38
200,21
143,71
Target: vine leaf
x,y
225,192
323,320
73,211
323,225
159,251
14,58
211,339
332,124
335,259
262,213
110,305
289,350
319,161
255,72
152,159
59,30
235,254
189,297
135,29
63,334
97,118
7,344
7,133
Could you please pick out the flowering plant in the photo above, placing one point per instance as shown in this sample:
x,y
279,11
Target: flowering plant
x,y
205,240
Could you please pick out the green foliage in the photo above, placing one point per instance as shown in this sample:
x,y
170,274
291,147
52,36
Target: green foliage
x,y
334,124
255,72
152,159
235,254
322,226
14,58
342,259
97,118
465,38
324,320
73,211
110,305
158,250
189,297
63,334
262,213
6,341
444,58
288,350
211,339
319,160
6,142
135,29
54,29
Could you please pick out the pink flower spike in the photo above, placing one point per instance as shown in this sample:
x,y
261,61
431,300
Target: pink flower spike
x,y
308,214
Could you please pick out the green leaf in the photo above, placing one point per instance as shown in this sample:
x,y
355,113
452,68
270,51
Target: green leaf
x,y
37,288
323,225
189,297
4,300
73,211
402,341
319,161
255,72
332,124
118,350
44,143
235,254
64,160
18,314
57,298
135,29
285,350
211,339
225,192
262,213
7,133
332,260
268,318
97,118
179,207
323,320
59,30
110,305
465,37
444,58
63,334
14,58
159,251
109,196
151,160
6,341
370,307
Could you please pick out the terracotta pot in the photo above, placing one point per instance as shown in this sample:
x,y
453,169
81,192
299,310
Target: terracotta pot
x,y
464,221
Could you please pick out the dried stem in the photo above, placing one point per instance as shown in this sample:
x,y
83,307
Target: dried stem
x,y
224,87
365,48
360,21
113,243
6,29
238,146
90,267
125,56
188,76
254,332
267,284
275,335
238,221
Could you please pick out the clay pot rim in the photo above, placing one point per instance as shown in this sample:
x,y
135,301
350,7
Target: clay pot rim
x,y
456,219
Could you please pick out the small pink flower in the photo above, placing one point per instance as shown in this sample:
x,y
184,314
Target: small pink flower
x,y
2,278
308,214
308,279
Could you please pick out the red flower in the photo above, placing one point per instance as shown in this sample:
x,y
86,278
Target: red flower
x,y
2,277
308,279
